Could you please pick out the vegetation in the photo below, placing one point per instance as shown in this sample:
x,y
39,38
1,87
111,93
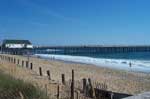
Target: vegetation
x,y
11,88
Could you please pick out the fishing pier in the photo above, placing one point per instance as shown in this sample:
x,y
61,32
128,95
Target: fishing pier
x,y
92,49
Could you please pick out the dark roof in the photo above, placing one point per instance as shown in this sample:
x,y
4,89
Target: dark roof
x,y
16,42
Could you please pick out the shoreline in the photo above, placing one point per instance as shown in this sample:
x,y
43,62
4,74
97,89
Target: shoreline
x,y
116,80
130,81
117,64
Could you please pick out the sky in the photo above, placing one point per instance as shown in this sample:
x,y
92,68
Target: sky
x,y
76,22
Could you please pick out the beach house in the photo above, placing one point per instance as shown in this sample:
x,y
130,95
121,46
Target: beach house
x,y
16,46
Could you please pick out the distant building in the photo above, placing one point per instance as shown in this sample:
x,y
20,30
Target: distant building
x,y
16,46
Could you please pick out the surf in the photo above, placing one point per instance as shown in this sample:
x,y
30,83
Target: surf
x,y
121,64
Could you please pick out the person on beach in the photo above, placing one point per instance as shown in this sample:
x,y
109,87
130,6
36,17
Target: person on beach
x,y
130,64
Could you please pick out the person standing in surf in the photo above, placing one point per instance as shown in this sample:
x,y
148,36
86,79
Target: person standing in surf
x,y
130,64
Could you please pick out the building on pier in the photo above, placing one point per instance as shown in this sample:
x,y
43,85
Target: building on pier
x,y
16,46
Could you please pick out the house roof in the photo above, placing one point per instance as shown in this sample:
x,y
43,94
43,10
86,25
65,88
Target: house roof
x,y
16,42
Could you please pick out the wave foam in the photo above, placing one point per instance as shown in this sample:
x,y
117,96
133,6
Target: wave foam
x,y
123,64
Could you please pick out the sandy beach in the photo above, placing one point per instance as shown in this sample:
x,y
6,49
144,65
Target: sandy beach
x,y
117,80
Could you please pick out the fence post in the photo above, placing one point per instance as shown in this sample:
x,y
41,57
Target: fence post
x,y
72,85
14,61
58,92
22,63
48,74
40,71
18,61
46,89
84,86
90,88
8,59
63,79
77,95
31,66
27,64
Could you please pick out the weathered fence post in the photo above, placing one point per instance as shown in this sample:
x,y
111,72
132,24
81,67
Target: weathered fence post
x,y
18,61
63,79
14,61
84,86
72,85
8,59
40,71
48,74
58,92
46,89
22,63
31,66
27,64
77,95
90,93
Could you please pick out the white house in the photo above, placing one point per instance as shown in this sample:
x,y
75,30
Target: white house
x,y
19,44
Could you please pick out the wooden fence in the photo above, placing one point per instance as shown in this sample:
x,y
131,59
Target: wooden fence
x,y
71,89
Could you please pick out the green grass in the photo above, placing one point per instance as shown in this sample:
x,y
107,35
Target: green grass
x,y
10,89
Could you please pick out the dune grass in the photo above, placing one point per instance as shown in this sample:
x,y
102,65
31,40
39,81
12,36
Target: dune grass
x,y
11,88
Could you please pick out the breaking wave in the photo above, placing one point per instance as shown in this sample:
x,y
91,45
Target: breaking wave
x,y
122,64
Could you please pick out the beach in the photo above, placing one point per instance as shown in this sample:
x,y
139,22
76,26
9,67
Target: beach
x,y
117,80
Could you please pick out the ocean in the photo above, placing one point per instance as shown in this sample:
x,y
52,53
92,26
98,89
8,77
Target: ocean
x,y
133,61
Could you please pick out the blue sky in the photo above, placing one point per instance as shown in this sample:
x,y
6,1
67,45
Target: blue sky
x,y
76,22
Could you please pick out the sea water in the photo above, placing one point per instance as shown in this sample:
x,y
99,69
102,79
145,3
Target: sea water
x,y
135,61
